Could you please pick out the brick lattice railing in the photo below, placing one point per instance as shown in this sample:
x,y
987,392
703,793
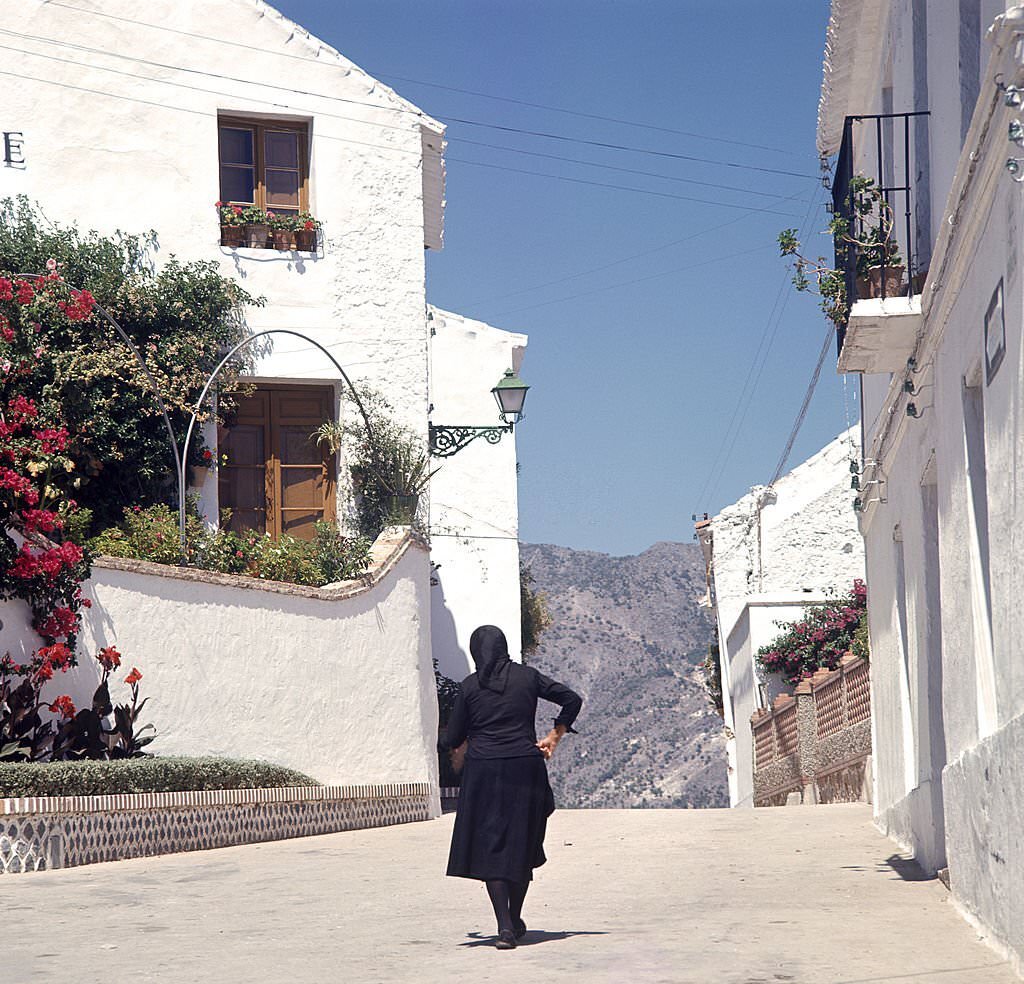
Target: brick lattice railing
x,y
817,741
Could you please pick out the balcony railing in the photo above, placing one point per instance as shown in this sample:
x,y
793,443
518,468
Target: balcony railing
x,y
885,145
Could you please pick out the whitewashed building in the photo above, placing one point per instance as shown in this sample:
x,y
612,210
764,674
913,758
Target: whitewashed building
x,y
474,504
768,556
136,118
923,98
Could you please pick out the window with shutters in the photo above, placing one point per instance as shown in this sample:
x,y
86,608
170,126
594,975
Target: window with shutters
x,y
273,476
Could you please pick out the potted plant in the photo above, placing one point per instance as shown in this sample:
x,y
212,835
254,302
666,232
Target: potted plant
x,y
282,229
306,232
871,237
868,233
232,227
401,468
257,226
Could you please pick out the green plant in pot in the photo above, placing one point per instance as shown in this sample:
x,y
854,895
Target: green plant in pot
x,y
401,469
232,226
282,229
257,226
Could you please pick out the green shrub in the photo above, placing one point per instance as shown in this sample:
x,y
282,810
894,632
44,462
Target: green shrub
x,y
143,775
153,534
181,317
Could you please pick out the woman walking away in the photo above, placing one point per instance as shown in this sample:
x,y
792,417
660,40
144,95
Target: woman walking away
x,y
505,799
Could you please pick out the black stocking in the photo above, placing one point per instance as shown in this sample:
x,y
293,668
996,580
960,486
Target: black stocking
x,y
516,896
498,890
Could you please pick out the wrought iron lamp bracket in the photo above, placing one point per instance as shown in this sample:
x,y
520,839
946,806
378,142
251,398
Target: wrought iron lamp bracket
x,y
446,440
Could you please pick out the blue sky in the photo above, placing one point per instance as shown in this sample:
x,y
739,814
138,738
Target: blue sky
x,y
655,392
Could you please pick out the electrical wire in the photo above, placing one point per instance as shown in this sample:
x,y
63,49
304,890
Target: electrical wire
x,y
603,184
802,413
746,394
625,259
606,145
585,115
599,184
508,99
638,280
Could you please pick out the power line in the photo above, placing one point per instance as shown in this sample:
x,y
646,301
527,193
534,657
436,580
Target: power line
x,y
802,413
605,145
638,280
602,184
746,393
308,60
625,259
208,91
462,141
585,115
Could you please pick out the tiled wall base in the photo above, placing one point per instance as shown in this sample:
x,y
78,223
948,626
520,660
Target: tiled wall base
x,y
68,831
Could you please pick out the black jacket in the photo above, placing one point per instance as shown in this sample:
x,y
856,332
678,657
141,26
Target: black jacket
x,y
501,725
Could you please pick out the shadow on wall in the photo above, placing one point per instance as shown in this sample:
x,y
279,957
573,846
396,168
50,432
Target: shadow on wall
x,y
452,660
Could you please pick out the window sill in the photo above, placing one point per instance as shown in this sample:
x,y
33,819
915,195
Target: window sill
x,y
269,253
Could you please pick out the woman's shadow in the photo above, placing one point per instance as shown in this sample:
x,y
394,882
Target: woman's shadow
x,y
532,937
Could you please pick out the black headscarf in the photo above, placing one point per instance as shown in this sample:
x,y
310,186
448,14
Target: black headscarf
x,y
489,649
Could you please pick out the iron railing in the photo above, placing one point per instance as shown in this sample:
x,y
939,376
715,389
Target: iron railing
x,y
894,136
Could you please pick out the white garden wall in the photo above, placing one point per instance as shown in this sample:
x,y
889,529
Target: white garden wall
x,y
336,682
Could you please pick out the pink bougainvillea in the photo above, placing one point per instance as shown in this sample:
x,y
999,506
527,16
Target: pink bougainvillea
x,y
820,639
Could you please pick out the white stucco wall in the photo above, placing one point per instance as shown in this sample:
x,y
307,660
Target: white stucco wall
x,y
776,551
474,507
942,533
340,689
115,144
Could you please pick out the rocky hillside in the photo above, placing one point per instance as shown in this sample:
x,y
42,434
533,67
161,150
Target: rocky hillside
x,y
629,636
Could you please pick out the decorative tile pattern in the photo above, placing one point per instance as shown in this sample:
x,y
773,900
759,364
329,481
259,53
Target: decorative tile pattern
x,y
137,827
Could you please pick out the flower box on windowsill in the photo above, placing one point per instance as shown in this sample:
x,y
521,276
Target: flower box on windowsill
x,y
235,237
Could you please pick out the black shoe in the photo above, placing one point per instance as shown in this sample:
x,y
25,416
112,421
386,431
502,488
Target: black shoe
x,y
519,928
506,941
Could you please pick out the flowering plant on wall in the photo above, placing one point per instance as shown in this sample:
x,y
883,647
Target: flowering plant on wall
x,y
820,639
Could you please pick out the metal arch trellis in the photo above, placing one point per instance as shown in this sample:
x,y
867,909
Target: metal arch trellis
x,y
206,389
181,454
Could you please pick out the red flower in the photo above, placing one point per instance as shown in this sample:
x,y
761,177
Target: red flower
x,y
44,673
64,706
6,330
57,656
23,292
109,658
309,225
6,290
134,677
207,455
218,204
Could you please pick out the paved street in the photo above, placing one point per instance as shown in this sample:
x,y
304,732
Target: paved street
x,y
805,895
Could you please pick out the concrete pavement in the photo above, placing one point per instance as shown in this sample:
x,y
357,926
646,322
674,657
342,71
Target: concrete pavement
x,y
811,895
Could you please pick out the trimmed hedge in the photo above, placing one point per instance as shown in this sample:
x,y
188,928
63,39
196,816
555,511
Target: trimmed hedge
x,y
142,775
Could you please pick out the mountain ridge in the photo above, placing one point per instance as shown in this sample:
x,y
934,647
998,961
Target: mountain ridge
x,y
628,634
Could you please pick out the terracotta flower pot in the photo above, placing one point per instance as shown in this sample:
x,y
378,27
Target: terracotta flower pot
x,y
305,240
893,281
282,238
256,235
232,236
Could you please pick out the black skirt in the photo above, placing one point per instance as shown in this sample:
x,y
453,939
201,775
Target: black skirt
x,y
504,805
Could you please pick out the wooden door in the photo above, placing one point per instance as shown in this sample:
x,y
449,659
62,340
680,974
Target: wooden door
x,y
276,479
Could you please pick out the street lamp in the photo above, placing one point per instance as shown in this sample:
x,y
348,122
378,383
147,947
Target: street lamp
x,y
509,394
